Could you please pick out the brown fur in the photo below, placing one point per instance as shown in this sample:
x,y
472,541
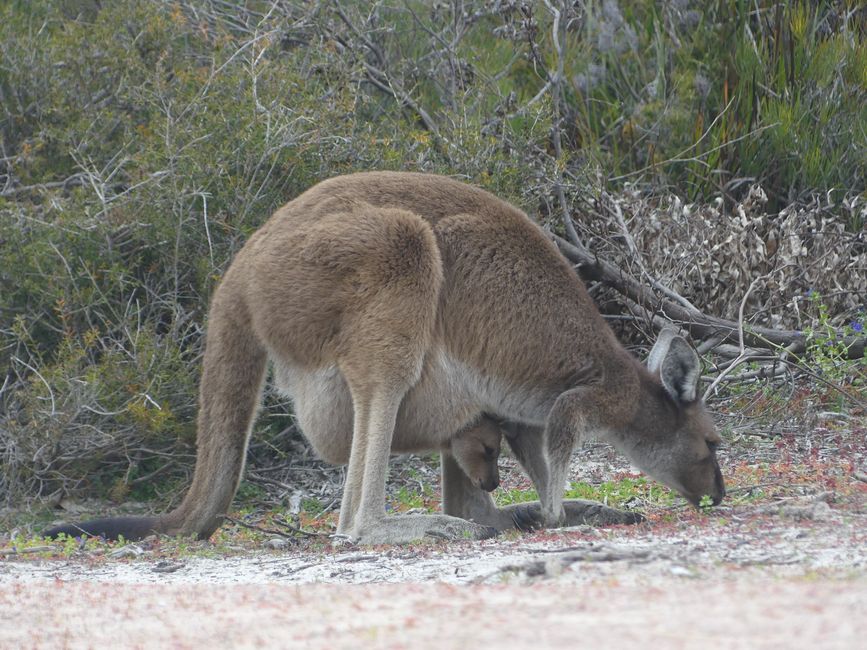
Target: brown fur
x,y
397,310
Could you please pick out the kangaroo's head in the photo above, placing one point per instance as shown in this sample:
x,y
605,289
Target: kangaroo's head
x,y
678,442
476,452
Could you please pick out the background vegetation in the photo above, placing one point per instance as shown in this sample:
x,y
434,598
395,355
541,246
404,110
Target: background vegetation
x,y
142,142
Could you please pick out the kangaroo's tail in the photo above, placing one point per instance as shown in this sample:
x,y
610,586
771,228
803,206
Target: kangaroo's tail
x,y
110,528
229,394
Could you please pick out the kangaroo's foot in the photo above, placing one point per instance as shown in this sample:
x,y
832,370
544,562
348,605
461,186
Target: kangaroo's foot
x,y
577,512
402,529
593,513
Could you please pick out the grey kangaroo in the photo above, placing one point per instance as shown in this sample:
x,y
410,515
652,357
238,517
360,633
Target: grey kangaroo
x,y
399,311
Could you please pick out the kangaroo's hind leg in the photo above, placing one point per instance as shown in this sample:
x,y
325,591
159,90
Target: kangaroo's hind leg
x,y
386,331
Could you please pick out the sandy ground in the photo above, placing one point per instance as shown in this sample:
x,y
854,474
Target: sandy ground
x,y
791,578
787,569
669,613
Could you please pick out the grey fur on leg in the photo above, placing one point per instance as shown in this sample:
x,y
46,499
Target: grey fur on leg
x,y
528,446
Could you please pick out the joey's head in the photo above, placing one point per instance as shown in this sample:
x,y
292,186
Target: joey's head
x,y
675,441
476,450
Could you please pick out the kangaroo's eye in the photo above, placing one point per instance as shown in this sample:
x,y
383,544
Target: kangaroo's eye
x,y
713,446
490,452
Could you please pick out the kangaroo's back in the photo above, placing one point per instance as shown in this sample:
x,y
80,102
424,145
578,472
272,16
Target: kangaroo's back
x,y
506,290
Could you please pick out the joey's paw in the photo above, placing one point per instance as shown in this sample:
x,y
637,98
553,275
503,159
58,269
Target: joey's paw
x,y
528,517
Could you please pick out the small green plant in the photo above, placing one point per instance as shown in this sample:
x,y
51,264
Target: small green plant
x,y
505,497
312,506
408,498
827,346
248,491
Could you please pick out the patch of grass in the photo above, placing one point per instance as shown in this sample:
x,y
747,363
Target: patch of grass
x,y
409,498
505,497
623,492
312,506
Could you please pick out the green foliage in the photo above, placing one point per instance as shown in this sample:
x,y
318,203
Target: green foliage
x,y
828,348
620,493
506,497
407,498
312,506
699,98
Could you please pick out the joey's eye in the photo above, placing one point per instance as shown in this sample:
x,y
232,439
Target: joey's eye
x,y
490,452
713,446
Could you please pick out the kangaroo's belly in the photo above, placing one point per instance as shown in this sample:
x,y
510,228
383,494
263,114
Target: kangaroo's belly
x,y
444,401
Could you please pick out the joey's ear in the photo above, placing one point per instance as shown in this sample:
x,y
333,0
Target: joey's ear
x,y
677,364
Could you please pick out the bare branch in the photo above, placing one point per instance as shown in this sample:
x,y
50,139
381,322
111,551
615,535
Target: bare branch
x,y
700,325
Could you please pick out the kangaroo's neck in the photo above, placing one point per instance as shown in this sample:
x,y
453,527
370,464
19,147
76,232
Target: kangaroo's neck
x,y
613,380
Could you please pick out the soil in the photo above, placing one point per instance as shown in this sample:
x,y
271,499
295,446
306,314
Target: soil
x,y
784,568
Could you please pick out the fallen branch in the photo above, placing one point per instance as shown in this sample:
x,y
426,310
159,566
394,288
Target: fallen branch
x,y
25,551
294,531
299,531
699,325
742,355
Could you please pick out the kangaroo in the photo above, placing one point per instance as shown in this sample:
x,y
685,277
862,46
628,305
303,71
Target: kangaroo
x,y
399,308
476,451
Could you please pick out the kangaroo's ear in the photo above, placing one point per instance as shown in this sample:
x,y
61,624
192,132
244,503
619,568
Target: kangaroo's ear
x,y
678,366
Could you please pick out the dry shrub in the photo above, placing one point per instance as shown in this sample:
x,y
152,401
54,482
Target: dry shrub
x,y
800,255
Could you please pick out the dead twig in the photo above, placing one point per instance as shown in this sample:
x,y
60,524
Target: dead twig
x,y
742,355
699,324
297,530
555,79
75,179
261,529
